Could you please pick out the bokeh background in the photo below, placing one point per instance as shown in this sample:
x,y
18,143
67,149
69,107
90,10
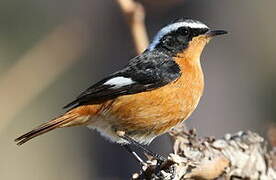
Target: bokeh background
x,y
51,50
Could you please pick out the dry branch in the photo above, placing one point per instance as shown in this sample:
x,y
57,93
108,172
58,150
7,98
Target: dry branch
x,y
134,14
242,155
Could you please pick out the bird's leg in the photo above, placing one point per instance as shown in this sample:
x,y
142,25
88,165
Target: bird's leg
x,y
135,155
158,157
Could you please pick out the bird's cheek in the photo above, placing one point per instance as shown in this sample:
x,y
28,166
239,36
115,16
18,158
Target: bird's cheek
x,y
182,39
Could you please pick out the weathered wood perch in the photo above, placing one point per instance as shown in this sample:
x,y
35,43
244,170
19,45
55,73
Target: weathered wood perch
x,y
243,155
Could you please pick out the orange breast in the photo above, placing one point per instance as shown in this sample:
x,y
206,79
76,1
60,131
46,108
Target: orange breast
x,y
161,109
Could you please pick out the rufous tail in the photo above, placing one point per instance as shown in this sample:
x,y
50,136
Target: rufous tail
x,y
46,127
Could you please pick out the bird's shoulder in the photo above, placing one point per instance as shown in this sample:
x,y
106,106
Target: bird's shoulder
x,y
152,66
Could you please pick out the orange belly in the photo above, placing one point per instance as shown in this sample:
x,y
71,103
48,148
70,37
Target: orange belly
x,y
146,115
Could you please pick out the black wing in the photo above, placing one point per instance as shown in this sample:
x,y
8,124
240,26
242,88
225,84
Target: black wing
x,y
148,71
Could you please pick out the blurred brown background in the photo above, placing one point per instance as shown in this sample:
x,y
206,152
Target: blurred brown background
x,y
52,50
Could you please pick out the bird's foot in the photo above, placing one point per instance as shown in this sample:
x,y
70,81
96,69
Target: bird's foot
x,y
160,159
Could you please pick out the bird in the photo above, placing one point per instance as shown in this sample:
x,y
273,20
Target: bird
x,y
154,92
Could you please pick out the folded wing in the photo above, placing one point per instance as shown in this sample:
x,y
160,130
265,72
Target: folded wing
x,y
143,73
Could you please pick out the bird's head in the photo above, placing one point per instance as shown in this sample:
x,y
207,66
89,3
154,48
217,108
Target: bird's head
x,y
183,38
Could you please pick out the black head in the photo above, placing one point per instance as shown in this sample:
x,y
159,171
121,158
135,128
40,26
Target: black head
x,y
175,37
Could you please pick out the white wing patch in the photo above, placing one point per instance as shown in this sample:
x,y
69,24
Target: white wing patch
x,y
172,27
120,81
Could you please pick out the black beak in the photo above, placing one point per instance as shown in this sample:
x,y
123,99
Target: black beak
x,y
215,33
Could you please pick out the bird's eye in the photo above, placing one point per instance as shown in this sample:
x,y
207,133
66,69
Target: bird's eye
x,y
184,31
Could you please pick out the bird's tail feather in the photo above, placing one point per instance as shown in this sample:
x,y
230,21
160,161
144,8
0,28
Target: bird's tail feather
x,y
46,127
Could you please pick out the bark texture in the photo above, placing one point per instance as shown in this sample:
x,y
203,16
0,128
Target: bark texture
x,y
243,155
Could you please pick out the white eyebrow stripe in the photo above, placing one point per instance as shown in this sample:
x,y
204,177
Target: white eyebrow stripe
x,y
119,82
172,27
